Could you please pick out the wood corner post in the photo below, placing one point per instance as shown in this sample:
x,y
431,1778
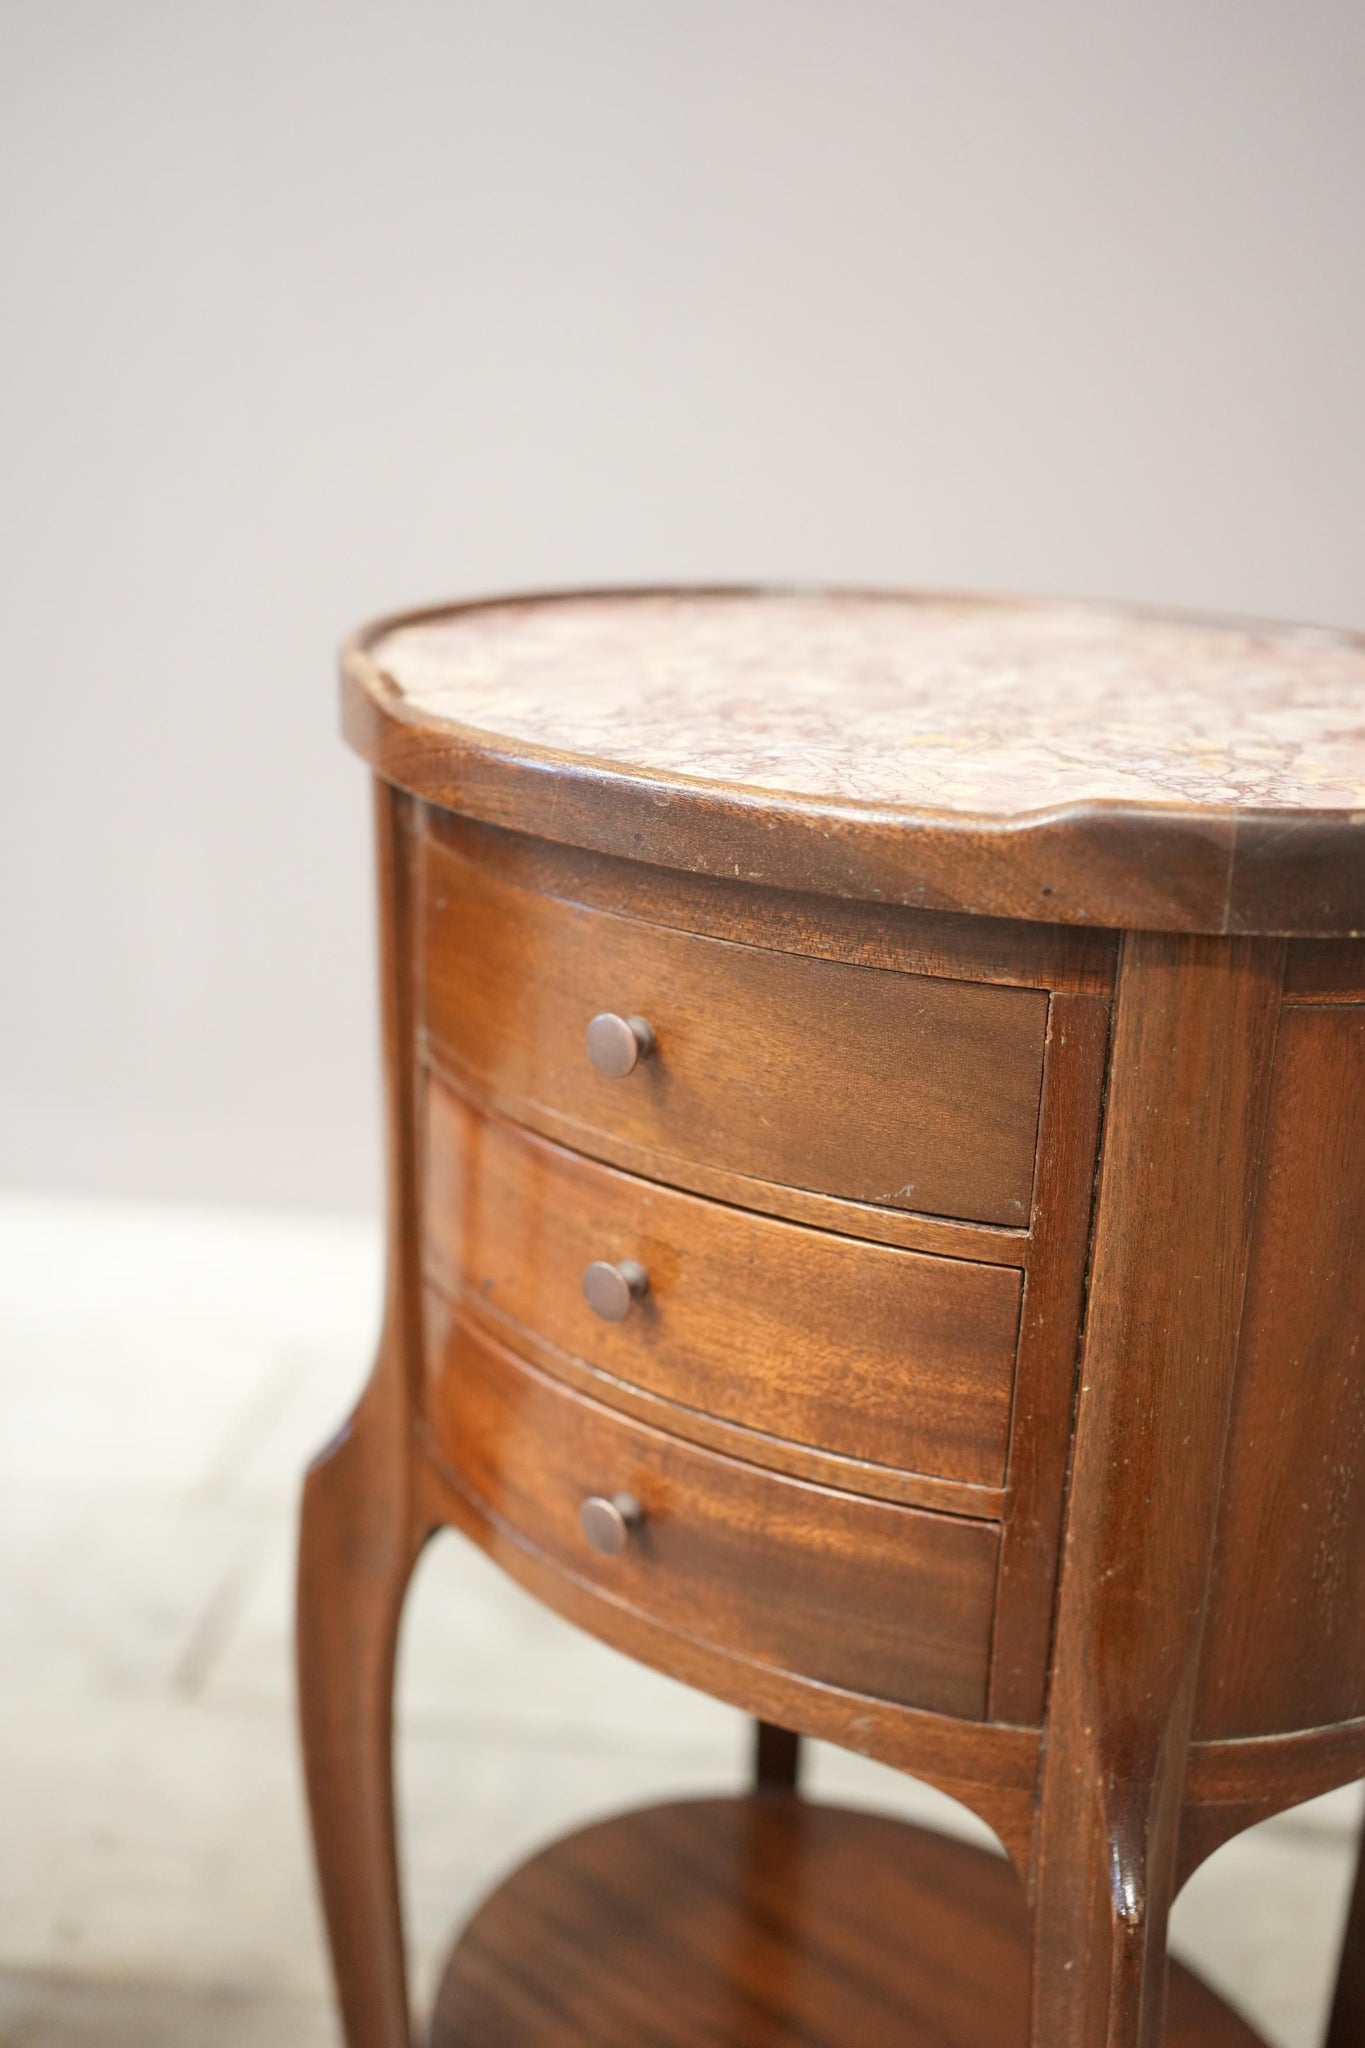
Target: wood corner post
x,y
1194,1035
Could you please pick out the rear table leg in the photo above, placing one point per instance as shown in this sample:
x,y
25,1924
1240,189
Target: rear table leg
x,y
777,1758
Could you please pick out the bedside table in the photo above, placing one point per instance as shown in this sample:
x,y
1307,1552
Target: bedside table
x,y
876,1108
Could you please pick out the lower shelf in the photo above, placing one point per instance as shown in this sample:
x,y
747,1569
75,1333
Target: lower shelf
x,y
767,1922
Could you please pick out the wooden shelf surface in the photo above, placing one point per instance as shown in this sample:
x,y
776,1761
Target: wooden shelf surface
x,y
766,1922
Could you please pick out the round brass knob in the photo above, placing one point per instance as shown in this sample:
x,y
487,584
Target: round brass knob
x,y
608,1524
616,1045
609,1290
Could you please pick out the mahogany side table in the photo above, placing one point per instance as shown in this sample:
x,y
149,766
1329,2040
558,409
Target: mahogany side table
x,y
876,1112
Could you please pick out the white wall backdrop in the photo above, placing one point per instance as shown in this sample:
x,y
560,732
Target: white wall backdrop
x,y
310,310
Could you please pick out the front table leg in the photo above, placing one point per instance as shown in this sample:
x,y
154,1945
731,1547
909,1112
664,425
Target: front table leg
x,y
356,1551
1103,1886
1194,1035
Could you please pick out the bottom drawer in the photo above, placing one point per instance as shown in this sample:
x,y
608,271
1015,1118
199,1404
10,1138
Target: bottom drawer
x,y
882,1600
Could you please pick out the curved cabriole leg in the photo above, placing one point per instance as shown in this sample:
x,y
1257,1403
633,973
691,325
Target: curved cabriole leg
x,y
1101,1900
360,1535
1194,1035
356,1552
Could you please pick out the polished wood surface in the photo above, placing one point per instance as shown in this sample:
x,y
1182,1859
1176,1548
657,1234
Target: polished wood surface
x,y
1286,1647
992,1768
880,1600
906,1091
761,1923
361,1527
1045,1375
882,1356
986,1389
1076,958
1325,970
1194,1036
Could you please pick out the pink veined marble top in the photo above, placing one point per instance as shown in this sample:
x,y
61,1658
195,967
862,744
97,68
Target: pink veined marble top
x,y
951,704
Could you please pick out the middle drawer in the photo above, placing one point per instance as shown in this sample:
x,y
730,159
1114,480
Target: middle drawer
x,y
890,1357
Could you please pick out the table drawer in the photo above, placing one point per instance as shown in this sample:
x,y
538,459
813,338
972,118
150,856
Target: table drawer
x,y
902,1090
871,1353
882,1600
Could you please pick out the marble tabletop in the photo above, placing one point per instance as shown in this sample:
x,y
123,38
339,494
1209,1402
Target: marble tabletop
x,y
982,706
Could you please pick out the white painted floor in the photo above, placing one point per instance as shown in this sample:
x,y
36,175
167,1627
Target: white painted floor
x,y
164,1374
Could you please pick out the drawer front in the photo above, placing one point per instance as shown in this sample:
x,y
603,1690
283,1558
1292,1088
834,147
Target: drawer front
x,y
901,1090
875,1354
886,1601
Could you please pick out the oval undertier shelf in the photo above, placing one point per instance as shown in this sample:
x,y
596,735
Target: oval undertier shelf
x,y
766,1922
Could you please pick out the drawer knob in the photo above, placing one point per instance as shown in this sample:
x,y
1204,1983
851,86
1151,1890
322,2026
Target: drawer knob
x,y
609,1524
616,1045
609,1290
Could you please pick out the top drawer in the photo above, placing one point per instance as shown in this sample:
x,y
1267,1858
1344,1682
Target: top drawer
x,y
901,1090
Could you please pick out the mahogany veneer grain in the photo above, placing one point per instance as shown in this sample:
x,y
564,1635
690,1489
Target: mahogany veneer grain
x,y
877,1355
904,1091
880,1600
761,1923
1286,1647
